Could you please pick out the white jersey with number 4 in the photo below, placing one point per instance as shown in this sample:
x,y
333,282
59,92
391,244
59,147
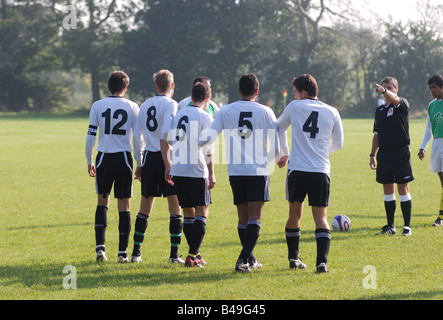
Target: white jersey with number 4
x,y
154,121
317,131
114,118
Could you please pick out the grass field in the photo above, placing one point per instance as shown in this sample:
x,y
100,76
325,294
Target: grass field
x,y
47,223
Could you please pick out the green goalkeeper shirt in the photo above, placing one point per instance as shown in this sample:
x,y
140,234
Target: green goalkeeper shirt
x,y
435,112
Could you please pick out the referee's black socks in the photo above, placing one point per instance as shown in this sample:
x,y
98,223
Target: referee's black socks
x,y
406,208
390,207
100,227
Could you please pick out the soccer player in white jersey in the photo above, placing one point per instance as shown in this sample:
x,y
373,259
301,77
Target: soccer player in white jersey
x,y
248,127
153,123
316,132
212,108
192,170
115,117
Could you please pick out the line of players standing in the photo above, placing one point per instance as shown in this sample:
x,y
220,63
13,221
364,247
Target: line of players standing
x,y
316,132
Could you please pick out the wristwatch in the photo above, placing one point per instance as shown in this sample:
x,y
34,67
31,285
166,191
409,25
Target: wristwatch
x,y
371,155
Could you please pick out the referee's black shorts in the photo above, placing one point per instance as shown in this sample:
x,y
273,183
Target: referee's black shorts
x,y
114,169
249,189
153,182
315,185
192,192
394,166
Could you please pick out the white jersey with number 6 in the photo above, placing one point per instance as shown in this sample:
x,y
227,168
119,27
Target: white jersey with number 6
x,y
317,131
154,121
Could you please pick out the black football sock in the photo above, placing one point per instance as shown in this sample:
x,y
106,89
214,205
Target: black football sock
x,y
124,229
292,240
100,227
187,229
175,229
250,240
406,208
241,228
390,207
198,233
141,224
323,238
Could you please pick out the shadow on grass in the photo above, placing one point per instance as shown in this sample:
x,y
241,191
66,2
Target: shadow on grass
x,y
49,276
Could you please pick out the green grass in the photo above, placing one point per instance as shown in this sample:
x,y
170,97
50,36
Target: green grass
x,y
47,214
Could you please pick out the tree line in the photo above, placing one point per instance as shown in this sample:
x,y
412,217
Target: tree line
x,y
44,42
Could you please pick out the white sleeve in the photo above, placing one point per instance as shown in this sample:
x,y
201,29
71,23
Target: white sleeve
x,y
211,134
284,121
209,148
137,138
168,117
337,137
428,135
274,143
282,136
89,148
91,135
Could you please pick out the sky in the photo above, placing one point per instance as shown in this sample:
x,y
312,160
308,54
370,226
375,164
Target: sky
x,y
400,10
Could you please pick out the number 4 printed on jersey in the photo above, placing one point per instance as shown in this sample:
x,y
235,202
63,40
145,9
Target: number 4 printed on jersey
x,y
311,125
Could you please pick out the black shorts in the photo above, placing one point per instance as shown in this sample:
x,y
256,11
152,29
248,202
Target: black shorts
x,y
249,188
192,192
153,176
394,172
315,185
114,169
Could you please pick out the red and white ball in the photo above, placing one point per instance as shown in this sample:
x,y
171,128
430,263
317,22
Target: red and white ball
x,y
341,223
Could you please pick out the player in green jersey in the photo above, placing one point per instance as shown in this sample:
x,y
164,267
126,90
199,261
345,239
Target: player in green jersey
x,y
434,129
212,108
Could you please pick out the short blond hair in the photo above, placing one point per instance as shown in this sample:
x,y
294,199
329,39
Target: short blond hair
x,y
163,80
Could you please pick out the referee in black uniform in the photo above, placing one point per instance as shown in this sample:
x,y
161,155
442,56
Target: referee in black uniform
x,y
390,153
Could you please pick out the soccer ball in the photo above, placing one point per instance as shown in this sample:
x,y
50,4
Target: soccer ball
x,y
341,223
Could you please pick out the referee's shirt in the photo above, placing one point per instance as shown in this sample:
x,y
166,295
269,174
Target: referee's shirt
x,y
392,126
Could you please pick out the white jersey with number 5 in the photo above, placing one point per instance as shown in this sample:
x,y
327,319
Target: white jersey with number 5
x,y
317,131
154,121
248,128
114,118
